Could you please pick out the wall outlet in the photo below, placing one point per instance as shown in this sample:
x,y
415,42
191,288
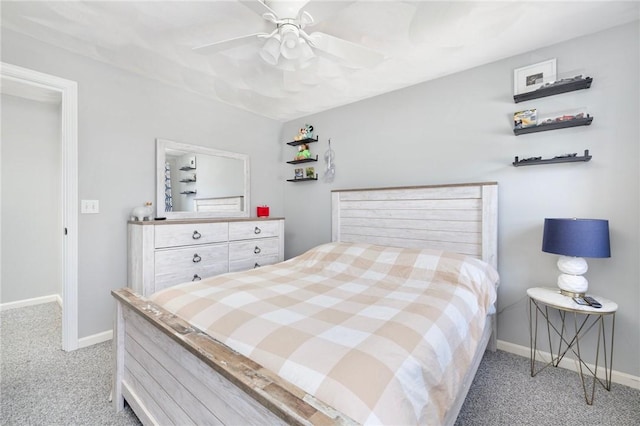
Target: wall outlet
x,y
89,206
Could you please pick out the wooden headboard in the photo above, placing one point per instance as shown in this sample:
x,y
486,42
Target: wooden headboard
x,y
461,218
227,204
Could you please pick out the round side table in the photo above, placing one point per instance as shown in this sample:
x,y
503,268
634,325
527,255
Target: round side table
x,y
542,300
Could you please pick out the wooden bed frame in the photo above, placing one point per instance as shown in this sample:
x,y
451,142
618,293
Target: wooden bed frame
x,y
172,373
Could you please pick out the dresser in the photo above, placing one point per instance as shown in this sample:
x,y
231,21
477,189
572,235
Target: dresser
x,y
163,253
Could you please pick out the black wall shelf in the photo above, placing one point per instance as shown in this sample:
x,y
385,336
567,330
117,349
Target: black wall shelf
x,y
300,142
302,179
304,160
562,159
569,86
555,125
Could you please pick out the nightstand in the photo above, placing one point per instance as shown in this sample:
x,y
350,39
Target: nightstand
x,y
542,302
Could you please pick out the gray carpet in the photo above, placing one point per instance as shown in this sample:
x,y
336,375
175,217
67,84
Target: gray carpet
x,y
43,385
504,393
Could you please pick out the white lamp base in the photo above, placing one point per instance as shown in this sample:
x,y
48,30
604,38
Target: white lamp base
x,y
571,282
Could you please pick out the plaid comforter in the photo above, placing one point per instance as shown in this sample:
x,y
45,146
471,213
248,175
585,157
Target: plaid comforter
x,y
382,334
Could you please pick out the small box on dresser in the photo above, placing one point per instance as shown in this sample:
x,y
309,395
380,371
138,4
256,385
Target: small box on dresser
x,y
162,254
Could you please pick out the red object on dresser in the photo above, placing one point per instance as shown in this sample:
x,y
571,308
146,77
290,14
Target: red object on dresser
x,y
263,211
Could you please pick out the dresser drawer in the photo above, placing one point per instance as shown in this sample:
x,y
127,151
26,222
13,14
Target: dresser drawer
x,y
253,229
244,264
253,249
190,234
201,256
195,273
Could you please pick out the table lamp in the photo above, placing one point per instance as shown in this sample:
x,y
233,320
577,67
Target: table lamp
x,y
575,239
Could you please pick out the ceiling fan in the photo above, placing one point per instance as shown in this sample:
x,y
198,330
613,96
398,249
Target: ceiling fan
x,y
288,46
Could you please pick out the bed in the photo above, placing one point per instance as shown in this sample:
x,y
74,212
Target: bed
x,y
384,242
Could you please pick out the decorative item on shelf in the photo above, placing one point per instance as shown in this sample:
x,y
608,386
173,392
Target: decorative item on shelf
x,y
531,77
330,167
303,152
564,158
143,212
574,239
305,132
562,116
299,173
561,82
310,172
526,118
191,164
262,211
189,179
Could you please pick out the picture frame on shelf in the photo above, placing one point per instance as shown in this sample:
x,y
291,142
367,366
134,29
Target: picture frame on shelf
x,y
310,172
530,78
299,173
526,118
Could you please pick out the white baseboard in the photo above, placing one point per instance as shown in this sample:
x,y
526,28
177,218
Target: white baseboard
x,y
31,302
568,363
94,339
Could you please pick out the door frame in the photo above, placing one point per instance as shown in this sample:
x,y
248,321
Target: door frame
x,y
39,86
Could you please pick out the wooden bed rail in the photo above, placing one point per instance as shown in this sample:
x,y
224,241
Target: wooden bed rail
x,y
286,401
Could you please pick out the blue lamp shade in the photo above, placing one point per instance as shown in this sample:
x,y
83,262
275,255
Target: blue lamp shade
x,y
577,237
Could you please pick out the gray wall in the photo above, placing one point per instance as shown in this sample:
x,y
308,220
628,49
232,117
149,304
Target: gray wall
x,y
458,129
120,116
31,200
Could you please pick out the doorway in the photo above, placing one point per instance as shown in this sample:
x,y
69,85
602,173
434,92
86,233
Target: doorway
x,y
33,85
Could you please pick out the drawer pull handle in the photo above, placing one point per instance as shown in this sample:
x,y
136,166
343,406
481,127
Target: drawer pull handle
x,y
257,265
257,250
257,230
196,235
196,277
196,258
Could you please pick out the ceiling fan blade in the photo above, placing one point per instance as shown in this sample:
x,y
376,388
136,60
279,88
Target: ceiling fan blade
x,y
351,53
258,6
321,10
220,46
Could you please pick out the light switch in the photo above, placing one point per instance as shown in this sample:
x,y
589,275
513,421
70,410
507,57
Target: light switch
x,y
89,206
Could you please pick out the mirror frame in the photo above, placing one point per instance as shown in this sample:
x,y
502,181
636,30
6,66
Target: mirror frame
x,y
163,144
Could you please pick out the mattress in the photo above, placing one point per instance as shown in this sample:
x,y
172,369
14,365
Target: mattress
x,y
382,334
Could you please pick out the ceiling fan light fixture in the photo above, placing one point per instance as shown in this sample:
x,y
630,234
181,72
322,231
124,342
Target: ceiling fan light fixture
x,y
270,51
290,47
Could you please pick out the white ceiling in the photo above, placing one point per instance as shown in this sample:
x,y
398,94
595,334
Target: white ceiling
x,y
421,40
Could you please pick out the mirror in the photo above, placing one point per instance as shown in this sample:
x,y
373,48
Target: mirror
x,y
195,181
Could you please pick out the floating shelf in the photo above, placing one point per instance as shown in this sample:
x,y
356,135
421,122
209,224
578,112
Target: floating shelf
x,y
188,192
300,142
185,168
555,125
562,159
187,180
302,179
570,86
304,160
